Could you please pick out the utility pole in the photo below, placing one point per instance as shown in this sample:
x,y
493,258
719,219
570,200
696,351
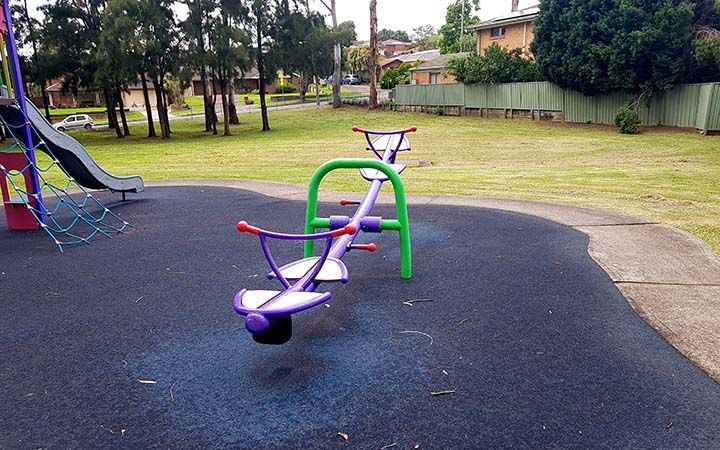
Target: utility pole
x,y
373,54
462,26
338,54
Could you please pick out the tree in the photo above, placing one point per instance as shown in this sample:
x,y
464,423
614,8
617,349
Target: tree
x,y
302,43
373,54
71,30
597,46
497,65
358,60
160,32
706,45
397,75
228,44
460,15
337,56
261,25
425,37
398,35
196,29
28,33
115,63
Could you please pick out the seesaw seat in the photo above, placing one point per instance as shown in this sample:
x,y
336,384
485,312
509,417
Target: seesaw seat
x,y
332,270
289,301
373,174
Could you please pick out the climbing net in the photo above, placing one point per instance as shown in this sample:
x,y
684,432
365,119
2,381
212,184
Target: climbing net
x,y
66,211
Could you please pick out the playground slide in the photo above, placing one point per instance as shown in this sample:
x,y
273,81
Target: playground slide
x,y
72,156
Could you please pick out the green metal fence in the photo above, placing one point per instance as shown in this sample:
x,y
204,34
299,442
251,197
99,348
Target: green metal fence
x,y
687,105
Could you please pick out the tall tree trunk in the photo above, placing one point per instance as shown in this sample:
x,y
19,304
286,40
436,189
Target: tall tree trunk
x,y
337,102
46,101
226,111
234,119
160,100
166,110
121,104
261,68
207,101
110,108
317,90
148,106
373,54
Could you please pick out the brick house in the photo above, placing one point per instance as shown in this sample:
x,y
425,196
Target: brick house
x,y
514,30
393,47
433,71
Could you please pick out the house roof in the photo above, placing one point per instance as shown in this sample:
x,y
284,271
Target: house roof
x,y
523,15
438,63
395,42
425,55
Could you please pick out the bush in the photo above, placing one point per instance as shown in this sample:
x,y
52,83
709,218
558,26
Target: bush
x,y
628,121
285,89
397,75
497,65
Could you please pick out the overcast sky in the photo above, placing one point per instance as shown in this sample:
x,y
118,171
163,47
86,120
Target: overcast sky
x,y
393,14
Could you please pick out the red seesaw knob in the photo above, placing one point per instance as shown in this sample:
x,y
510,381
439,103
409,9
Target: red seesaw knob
x,y
245,227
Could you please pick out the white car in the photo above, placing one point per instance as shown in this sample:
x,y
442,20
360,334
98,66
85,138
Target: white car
x,y
74,122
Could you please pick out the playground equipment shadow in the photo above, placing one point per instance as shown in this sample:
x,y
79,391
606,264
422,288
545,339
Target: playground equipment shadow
x,y
133,343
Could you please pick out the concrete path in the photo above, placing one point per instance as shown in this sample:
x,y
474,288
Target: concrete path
x,y
671,278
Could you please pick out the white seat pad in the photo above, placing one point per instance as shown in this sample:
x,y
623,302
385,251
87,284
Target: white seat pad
x,y
373,174
256,299
332,270
381,143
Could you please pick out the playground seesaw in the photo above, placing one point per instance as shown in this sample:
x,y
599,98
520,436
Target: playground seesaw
x,y
268,313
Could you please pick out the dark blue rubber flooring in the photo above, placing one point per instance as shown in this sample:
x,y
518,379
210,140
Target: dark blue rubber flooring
x,y
540,349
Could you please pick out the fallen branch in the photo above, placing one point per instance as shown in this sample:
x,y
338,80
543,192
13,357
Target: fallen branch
x,y
419,300
439,393
420,333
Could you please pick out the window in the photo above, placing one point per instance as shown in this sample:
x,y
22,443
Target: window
x,y
435,78
497,31
70,119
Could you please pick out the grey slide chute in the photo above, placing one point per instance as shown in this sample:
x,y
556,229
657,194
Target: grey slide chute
x,y
71,155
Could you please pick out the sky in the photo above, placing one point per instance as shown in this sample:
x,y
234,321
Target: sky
x,y
407,14
393,14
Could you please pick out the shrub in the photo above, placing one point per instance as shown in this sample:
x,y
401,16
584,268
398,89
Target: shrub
x,y
285,89
397,75
497,65
628,121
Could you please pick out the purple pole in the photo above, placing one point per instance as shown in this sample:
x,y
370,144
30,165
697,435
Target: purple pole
x,y
20,97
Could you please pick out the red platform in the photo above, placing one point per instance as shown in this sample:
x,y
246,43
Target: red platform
x,y
18,216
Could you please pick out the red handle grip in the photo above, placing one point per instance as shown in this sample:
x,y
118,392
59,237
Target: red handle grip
x,y
347,229
357,129
368,247
245,227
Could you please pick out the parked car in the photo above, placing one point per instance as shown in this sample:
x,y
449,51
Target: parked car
x,y
74,122
329,80
352,78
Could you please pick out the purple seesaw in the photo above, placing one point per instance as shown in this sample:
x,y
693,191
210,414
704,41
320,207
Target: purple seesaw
x,y
268,313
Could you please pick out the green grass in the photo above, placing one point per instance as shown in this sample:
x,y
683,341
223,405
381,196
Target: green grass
x,y
130,116
196,103
667,175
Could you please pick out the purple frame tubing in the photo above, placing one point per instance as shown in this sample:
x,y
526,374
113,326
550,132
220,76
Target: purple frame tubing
x,y
20,97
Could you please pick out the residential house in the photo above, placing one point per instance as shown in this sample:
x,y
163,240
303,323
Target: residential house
x,y
433,71
393,47
132,96
511,31
250,81
395,61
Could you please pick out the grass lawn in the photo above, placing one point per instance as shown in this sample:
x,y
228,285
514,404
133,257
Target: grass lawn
x,y
196,103
130,116
670,176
